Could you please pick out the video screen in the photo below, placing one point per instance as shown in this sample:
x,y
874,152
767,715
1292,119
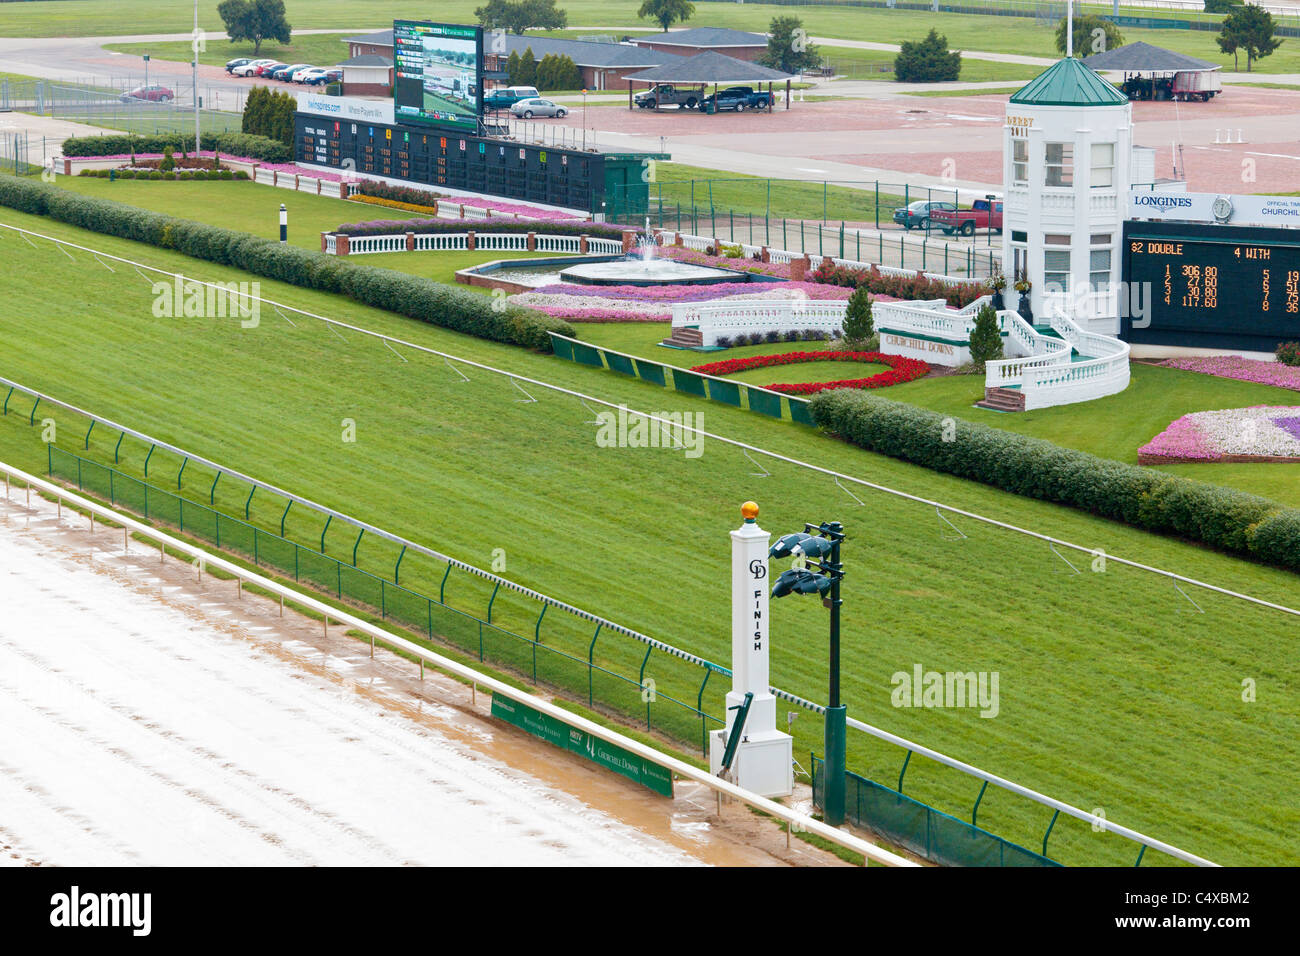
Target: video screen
x,y
438,74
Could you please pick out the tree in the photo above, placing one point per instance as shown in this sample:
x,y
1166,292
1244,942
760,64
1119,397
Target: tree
x,y
255,20
666,12
1092,34
527,69
1221,6
520,15
512,68
927,61
858,324
788,47
1249,28
985,337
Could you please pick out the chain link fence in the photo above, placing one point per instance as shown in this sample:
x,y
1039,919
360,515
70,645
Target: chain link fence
x,y
110,105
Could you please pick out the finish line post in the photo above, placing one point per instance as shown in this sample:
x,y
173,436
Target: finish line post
x,y
764,757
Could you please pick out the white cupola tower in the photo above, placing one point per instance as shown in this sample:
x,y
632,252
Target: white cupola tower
x,y
1067,145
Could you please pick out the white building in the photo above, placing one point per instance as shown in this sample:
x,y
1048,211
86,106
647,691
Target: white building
x,y
1069,163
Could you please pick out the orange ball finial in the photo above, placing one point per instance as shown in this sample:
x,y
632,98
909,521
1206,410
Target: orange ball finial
x,y
749,510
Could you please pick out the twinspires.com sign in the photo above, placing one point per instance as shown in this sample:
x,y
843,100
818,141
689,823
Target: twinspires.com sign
x,y
349,108
1216,207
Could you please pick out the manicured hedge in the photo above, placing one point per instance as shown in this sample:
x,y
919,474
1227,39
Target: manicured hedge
x,y
233,144
180,174
547,227
414,296
1151,500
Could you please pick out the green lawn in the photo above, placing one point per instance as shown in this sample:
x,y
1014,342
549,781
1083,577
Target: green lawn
x,y
1114,427
319,49
1139,713
968,32
253,207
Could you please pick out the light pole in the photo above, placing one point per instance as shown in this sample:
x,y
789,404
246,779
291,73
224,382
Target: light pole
x,y
584,120
822,552
146,71
194,48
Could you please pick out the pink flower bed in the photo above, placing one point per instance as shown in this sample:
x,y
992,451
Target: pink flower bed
x,y
1241,368
703,293
682,254
1261,431
601,315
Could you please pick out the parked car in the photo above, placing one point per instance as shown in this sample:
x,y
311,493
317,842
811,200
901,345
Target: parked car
x,y
265,70
916,215
250,68
738,98
507,96
153,94
298,75
284,73
666,94
231,64
982,214
537,107
309,74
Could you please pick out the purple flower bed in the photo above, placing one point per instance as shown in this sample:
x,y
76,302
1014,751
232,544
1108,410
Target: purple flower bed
x,y
1241,368
600,315
381,227
208,154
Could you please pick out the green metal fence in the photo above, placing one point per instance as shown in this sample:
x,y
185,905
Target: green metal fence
x,y
598,679
737,394
920,828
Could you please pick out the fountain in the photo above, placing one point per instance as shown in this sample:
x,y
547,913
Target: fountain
x,y
644,269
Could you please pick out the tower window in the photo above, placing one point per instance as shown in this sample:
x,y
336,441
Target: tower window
x,y
1059,165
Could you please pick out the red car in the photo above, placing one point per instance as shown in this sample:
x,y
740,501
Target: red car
x,y
154,94
982,214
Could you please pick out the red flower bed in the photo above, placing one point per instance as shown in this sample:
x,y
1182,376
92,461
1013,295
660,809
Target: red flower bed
x,y
901,369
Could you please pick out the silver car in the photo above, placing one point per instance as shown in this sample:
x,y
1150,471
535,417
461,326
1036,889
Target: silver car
x,y
537,107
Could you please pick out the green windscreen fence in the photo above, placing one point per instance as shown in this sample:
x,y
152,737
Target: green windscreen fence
x,y
736,394
920,828
666,691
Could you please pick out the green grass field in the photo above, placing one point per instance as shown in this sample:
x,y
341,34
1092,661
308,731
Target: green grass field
x,y
966,32
1139,713
1114,427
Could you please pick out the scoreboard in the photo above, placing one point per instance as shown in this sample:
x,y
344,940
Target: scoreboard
x,y
473,163
1211,286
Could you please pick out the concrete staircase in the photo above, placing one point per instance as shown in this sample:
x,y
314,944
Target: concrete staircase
x,y
685,338
1003,400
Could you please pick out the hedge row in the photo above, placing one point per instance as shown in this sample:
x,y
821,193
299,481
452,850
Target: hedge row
x,y
1144,498
414,296
159,174
233,144
909,286
543,227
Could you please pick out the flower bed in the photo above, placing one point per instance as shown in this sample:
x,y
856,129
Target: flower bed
x,y
1241,368
700,293
901,369
1258,433
383,227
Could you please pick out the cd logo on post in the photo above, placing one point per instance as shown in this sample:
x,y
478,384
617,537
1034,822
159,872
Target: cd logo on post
x,y
758,568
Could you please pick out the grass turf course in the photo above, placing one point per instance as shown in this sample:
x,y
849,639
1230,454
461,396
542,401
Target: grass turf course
x,y
1114,427
1088,687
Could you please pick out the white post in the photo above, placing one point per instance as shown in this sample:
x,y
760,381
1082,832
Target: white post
x,y
1069,28
763,760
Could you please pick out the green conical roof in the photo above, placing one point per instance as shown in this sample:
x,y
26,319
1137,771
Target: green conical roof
x,y
1069,83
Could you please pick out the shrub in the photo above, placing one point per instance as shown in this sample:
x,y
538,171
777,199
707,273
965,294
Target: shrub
x,y
927,61
790,336
1145,498
232,144
168,163
723,341
1288,353
985,339
858,325
910,286
413,296
772,336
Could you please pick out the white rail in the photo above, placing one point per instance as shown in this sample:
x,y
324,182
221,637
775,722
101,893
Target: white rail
x,y
869,851
490,242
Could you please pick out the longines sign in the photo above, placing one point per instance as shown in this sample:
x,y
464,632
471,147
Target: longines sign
x,y
1216,207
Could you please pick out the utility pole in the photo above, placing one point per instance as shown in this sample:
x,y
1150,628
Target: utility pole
x,y
194,49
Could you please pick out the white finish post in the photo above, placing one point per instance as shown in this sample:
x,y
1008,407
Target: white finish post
x,y
764,758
